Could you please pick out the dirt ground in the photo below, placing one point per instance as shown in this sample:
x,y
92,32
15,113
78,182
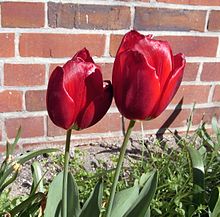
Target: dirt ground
x,y
96,151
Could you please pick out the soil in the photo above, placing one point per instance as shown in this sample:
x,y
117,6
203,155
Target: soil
x,y
97,151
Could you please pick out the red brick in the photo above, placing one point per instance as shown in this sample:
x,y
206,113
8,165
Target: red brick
x,y
189,45
0,138
35,100
191,94
216,95
193,2
205,114
111,122
60,45
88,16
31,127
169,19
180,120
53,130
24,74
22,14
163,121
106,70
53,66
2,148
115,41
211,72
213,22
10,101
7,45
190,72
192,45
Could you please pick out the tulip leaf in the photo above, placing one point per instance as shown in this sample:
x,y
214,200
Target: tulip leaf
x,y
147,213
198,175
93,204
27,203
214,202
124,200
73,206
54,197
141,206
54,200
143,179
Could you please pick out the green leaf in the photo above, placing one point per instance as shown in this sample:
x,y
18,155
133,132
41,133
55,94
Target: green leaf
x,y
31,210
9,181
34,154
141,206
147,213
198,175
37,177
25,204
214,202
54,200
144,178
11,147
93,204
17,137
73,206
24,159
124,200
216,130
202,133
3,167
54,197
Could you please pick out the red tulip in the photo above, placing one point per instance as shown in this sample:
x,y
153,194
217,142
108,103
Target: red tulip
x,y
76,95
146,76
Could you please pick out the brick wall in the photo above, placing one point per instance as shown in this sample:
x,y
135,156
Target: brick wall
x,y
35,36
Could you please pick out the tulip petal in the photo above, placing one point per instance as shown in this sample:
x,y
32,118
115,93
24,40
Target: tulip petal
x,y
83,82
135,85
96,109
60,105
129,40
159,55
84,55
172,84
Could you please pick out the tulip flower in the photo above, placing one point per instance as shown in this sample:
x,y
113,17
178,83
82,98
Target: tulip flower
x,y
76,95
146,76
77,98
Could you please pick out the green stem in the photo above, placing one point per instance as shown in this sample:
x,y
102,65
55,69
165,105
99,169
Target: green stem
x,y
118,168
65,173
142,148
